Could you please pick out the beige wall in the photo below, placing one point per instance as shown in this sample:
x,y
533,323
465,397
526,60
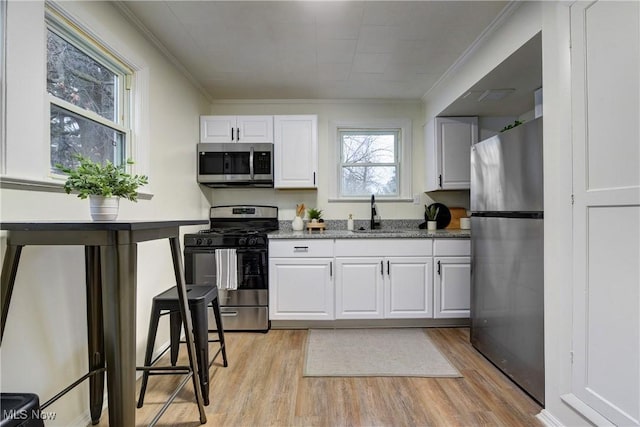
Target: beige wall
x,y
44,345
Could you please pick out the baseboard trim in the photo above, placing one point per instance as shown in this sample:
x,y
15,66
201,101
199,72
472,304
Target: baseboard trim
x,y
547,418
370,323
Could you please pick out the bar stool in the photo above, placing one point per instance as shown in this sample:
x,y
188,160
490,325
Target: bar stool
x,y
200,297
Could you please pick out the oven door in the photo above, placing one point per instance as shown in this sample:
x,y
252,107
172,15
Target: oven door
x,y
253,274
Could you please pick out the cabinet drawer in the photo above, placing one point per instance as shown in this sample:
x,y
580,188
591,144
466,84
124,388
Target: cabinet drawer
x,y
383,247
452,247
300,248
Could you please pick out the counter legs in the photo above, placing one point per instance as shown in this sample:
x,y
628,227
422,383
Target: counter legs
x,y
9,270
186,321
95,330
118,264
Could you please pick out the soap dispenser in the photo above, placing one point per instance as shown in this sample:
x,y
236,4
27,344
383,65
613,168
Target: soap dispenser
x,y
350,223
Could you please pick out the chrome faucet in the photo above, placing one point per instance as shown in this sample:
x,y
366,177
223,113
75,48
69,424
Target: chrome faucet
x,y
375,218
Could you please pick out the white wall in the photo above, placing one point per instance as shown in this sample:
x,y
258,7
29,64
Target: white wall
x,y
44,345
328,110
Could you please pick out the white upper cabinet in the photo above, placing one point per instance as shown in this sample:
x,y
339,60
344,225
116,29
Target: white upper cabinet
x,y
448,142
250,129
296,151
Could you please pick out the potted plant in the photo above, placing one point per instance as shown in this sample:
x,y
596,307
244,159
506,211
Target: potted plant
x,y
315,215
431,215
103,184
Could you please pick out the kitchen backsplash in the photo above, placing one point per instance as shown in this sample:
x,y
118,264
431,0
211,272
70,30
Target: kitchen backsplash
x,y
339,224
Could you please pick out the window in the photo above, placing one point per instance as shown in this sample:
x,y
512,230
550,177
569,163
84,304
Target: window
x,y
372,157
88,98
369,162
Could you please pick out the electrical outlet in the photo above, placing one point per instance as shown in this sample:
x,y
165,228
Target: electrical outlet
x,y
416,199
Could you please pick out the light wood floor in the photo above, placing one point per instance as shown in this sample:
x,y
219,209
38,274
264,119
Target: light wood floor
x,y
263,386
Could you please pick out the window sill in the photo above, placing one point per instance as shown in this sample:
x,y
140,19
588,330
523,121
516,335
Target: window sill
x,y
46,185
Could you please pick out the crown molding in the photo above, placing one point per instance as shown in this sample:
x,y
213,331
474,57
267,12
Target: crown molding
x,y
319,101
148,34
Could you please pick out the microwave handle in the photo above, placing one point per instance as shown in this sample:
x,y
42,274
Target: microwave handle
x,y
251,162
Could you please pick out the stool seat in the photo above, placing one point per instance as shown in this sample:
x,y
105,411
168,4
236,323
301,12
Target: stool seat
x,y
20,410
199,298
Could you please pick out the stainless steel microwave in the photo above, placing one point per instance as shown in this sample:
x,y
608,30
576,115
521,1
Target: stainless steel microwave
x,y
235,164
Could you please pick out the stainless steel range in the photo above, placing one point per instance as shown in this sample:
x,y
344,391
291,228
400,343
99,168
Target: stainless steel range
x,y
243,228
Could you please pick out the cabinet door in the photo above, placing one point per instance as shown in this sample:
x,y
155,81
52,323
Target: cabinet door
x,y
454,137
452,287
301,289
296,151
252,129
248,129
217,128
359,288
408,287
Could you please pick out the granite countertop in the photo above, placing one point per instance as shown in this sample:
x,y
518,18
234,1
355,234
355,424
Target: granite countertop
x,y
369,234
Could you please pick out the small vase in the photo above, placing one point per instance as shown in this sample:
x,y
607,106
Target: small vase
x,y
432,225
297,224
104,208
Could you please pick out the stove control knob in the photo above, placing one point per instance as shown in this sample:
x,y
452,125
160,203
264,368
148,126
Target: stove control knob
x,y
209,242
253,241
242,241
198,242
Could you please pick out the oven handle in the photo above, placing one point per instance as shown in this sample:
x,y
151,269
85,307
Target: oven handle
x,y
250,157
229,314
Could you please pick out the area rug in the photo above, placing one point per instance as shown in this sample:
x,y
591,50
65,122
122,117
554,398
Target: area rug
x,y
402,352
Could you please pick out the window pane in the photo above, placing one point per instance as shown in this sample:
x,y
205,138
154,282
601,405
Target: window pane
x,y
72,134
76,78
368,147
366,180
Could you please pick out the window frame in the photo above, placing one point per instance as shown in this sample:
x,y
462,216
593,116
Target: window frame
x,y
403,157
99,52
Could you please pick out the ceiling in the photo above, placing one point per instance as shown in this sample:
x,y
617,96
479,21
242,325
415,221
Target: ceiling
x,y
315,49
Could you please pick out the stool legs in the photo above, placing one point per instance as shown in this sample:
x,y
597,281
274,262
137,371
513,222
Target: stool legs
x,y
151,340
201,334
175,327
218,317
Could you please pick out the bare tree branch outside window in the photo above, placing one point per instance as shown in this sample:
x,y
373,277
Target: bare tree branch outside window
x,y
76,78
369,162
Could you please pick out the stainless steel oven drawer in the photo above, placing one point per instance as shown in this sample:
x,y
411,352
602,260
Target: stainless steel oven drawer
x,y
245,318
243,297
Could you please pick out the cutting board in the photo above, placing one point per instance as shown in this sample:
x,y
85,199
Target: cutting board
x,y
456,214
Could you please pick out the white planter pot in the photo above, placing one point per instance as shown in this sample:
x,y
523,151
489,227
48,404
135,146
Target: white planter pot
x,y
104,208
432,225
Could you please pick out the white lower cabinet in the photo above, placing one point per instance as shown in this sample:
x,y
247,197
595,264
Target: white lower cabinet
x,y
359,288
301,280
452,278
372,286
408,288
323,279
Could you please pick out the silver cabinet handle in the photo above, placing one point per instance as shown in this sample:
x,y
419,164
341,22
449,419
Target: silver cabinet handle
x,y
381,268
301,248
330,268
388,268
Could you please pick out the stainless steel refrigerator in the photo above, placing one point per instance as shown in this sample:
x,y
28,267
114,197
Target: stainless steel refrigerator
x,y
507,282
